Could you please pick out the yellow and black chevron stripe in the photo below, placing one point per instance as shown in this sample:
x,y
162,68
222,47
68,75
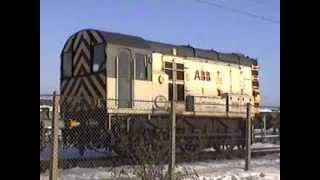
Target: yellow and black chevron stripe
x,y
84,87
89,88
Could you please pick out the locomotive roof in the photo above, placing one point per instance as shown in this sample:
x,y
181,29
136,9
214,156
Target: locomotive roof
x,y
181,50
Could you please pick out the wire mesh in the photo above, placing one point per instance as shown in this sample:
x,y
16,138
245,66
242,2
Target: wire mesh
x,y
96,132
45,130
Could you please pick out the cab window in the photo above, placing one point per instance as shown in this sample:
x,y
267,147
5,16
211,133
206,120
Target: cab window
x,y
143,67
99,56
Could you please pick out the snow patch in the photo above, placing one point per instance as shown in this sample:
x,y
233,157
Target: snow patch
x,y
263,168
73,153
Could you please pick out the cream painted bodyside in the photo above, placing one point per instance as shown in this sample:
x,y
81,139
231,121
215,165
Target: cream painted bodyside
x,y
142,95
229,78
159,77
111,93
247,80
144,92
223,76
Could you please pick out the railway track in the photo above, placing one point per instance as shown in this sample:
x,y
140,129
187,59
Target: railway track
x,y
118,161
266,149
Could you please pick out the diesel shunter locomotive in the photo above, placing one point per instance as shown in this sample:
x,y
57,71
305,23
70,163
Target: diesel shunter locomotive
x,y
115,90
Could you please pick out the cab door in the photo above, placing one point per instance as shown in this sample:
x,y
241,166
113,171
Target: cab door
x,y
124,79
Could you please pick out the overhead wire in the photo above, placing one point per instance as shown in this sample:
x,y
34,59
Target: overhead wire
x,y
238,11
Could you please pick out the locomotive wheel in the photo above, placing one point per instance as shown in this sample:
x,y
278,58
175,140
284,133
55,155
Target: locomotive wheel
x,y
81,150
118,150
229,144
119,141
241,147
136,146
217,147
230,147
148,146
218,144
161,145
119,144
191,146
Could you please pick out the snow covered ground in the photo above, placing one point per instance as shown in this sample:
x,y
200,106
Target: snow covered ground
x,y
264,145
73,153
262,168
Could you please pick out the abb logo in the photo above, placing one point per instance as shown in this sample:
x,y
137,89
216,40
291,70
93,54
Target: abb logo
x,y
202,75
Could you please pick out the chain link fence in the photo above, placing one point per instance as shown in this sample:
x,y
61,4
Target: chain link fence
x,y
267,126
131,138
46,113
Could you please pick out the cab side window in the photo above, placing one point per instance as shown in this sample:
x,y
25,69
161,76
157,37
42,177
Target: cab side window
x,y
142,67
99,58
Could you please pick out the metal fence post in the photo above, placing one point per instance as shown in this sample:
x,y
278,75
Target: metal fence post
x,y
264,129
173,126
54,137
248,138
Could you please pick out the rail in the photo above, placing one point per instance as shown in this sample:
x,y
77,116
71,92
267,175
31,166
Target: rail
x,y
266,149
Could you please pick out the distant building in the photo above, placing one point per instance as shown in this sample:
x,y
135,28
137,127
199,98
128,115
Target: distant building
x,y
265,110
270,109
46,102
271,115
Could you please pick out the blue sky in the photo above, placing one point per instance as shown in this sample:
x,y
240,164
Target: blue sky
x,y
175,21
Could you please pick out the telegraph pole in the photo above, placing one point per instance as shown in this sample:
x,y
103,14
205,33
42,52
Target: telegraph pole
x,y
54,136
173,125
264,129
248,138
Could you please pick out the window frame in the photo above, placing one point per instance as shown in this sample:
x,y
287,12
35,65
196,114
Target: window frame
x,y
181,95
145,67
168,67
170,86
93,55
147,64
118,57
170,70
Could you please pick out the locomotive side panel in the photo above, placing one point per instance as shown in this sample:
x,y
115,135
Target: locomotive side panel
x,y
203,78
142,80
210,82
193,85
160,82
140,77
246,80
112,54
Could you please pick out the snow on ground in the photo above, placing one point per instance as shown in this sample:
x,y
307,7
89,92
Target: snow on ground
x,y
255,145
262,168
264,145
73,153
